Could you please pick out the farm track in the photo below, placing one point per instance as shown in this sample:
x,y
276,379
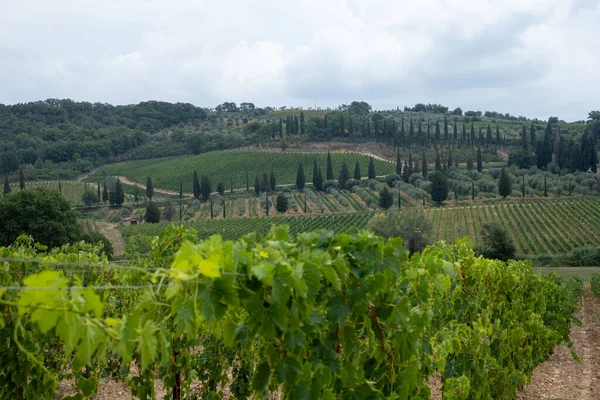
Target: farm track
x,y
561,377
113,234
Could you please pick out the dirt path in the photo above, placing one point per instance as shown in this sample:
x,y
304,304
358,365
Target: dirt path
x,y
113,234
561,377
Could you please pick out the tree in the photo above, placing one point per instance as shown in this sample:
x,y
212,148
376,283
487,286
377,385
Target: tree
x,y
281,203
329,167
265,185
372,174
196,186
479,160
357,175
98,194
439,187
413,228
152,213
180,190
119,193
89,197
21,179
424,165
386,199
220,188
344,175
504,184
496,242
300,179
315,173
272,181
105,193
438,162
469,162
6,185
149,189
45,215
205,187
318,184
168,211
449,164
398,163
257,186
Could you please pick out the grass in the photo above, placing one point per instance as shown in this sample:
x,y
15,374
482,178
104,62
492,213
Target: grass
x,y
232,168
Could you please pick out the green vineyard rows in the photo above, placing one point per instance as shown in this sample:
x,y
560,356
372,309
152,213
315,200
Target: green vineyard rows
x,y
232,167
231,229
71,190
538,226
321,316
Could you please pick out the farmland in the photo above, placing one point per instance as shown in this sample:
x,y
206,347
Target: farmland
x,y
71,190
231,168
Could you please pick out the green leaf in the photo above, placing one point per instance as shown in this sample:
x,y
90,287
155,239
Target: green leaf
x,y
337,313
294,341
349,339
331,276
87,386
260,379
287,369
69,330
147,344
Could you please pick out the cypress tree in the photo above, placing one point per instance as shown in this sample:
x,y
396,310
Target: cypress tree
x,y
532,138
455,131
445,129
479,160
319,184
498,138
472,135
449,159
272,181
264,183
504,184
523,186
149,189
59,186
7,185
119,193
247,183
386,199
181,190
196,185
524,139
281,203
405,172
437,130
299,178
257,186
398,164
424,165
439,187
315,173
481,140
104,193
220,188
372,174
411,133
329,167
21,179
488,138
344,175
98,194
302,123
473,191
438,161
545,187
410,164
205,188
357,171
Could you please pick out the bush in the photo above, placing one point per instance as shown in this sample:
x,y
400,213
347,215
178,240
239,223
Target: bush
x,y
152,213
414,228
391,179
98,238
496,242
330,184
595,285
351,183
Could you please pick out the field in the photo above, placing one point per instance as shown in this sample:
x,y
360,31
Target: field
x,y
538,226
231,168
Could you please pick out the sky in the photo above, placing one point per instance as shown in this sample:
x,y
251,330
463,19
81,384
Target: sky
x,y
536,58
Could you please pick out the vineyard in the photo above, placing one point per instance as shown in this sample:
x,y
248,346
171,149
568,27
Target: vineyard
x,y
295,112
323,316
231,229
71,190
231,168
539,226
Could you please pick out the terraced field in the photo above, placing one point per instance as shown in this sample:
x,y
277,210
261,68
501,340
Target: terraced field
x,y
233,168
72,190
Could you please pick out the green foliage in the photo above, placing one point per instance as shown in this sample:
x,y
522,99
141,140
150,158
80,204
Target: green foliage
x,y
357,175
256,186
439,186
89,197
221,188
6,186
595,285
479,160
195,185
119,193
45,215
315,317
413,228
149,188
386,198
205,188
21,179
272,181
152,213
281,203
98,239
300,180
496,242
504,184
344,174
372,174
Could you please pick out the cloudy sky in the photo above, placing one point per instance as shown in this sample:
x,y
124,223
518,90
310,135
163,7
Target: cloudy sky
x,y
527,57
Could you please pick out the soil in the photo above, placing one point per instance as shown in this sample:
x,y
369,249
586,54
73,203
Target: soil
x,y
113,234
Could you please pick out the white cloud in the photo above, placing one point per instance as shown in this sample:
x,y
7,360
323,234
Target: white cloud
x,y
531,57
